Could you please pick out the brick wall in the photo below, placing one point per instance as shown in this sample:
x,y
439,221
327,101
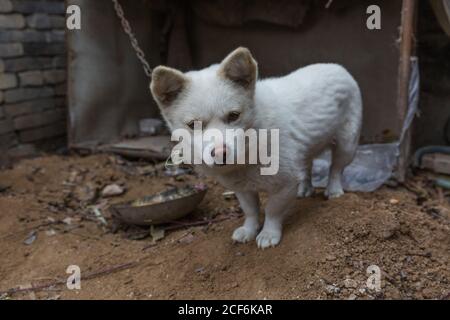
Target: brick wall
x,y
32,77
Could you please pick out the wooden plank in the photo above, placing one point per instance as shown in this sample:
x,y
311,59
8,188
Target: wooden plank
x,y
153,148
406,50
438,162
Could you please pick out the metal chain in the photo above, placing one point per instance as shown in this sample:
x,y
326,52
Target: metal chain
x,y
134,42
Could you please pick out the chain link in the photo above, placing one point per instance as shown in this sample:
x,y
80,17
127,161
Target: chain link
x,y
134,42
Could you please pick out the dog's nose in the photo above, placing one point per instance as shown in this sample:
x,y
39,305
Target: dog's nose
x,y
220,153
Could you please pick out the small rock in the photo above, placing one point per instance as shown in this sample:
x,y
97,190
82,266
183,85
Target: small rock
x,y
187,239
387,234
112,190
156,233
393,201
32,236
347,240
350,283
200,270
403,275
352,297
330,257
50,232
332,289
86,193
67,221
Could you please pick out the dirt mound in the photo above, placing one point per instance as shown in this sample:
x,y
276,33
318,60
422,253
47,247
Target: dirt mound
x,y
46,225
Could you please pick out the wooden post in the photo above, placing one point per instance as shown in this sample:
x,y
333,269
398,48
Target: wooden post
x,y
406,50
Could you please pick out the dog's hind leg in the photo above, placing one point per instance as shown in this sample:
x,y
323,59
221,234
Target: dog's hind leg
x,y
343,152
305,187
340,159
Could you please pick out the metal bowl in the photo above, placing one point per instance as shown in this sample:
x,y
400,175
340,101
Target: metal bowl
x,y
160,208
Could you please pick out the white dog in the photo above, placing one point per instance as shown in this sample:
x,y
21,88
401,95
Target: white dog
x,y
315,107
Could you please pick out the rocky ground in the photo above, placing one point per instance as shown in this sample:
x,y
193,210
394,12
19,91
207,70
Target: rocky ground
x,y
48,222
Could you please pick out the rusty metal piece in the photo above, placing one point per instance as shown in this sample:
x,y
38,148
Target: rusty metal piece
x,y
134,42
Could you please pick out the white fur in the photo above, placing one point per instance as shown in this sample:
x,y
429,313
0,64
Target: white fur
x,y
315,107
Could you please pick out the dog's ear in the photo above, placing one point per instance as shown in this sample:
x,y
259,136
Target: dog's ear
x,y
167,84
240,68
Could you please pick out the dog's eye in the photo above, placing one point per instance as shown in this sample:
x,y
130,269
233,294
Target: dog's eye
x,y
191,124
233,116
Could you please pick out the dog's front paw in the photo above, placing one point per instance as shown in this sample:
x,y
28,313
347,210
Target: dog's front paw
x,y
268,238
304,190
244,234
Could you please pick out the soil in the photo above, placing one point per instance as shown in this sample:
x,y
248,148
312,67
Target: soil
x,y
47,224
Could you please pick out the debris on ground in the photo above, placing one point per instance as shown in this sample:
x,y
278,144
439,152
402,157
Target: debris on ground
x,y
98,214
228,195
156,234
32,236
326,250
4,188
112,190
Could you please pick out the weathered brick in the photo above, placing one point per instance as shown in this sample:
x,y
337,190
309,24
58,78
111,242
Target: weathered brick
x,y
32,106
28,36
12,21
44,49
5,6
59,62
23,36
39,21
6,126
38,119
32,6
23,151
8,140
55,36
60,102
54,130
58,22
27,64
24,94
61,90
4,158
9,50
31,79
8,81
54,76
